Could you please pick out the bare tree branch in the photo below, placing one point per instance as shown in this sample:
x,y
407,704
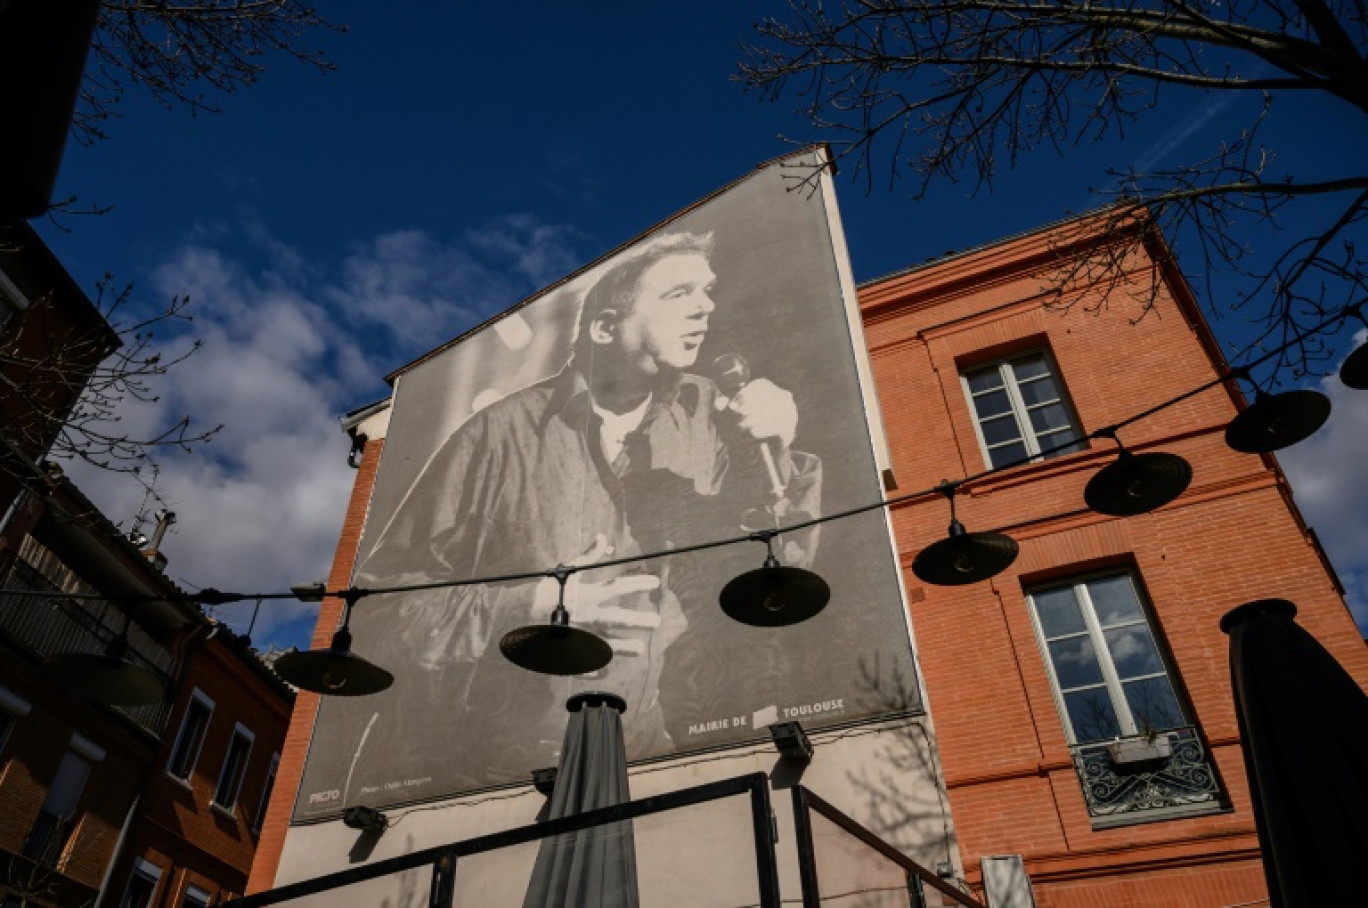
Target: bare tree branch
x,y
954,90
185,52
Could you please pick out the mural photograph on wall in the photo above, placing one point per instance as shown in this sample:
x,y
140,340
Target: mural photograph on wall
x,y
699,383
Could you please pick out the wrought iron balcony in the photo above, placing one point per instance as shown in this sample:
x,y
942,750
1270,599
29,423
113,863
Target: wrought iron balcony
x,y
47,625
1164,774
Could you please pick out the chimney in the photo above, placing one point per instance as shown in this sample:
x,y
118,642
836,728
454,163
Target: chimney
x,y
153,551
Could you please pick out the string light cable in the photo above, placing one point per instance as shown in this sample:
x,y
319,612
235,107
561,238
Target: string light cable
x,y
317,592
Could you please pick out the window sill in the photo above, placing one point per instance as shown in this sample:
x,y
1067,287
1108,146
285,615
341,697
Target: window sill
x,y
229,812
1160,815
1008,477
182,783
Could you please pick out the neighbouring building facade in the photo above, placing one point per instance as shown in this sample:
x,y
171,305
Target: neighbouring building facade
x,y
1083,730
1052,682
138,806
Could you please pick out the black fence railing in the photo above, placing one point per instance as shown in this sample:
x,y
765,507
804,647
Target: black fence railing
x,y
47,840
48,625
1157,775
446,863
840,862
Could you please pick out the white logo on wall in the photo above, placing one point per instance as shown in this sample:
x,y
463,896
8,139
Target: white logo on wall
x,y
322,797
769,715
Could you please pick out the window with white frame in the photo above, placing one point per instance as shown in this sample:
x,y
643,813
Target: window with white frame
x,y
191,736
50,834
266,793
234,767
142,885
1021,410
1110,677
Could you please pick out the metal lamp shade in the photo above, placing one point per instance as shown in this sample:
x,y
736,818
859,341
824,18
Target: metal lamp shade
x,y
334,672
556,648
1277,421
1354,370
1137,483
964,557
774,595
105,678
1304,731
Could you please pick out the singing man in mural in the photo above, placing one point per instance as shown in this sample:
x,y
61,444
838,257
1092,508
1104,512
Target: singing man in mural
x,y
630,448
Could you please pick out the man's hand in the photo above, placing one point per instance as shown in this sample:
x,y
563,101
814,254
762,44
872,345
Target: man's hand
x,y
596,605
765,411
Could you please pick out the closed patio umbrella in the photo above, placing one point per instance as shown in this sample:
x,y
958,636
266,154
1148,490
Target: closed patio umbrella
x,y
1304,731
592,868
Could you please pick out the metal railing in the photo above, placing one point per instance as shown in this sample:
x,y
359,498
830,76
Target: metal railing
x,y
1168,771
47,625
47,840
860,868
444,860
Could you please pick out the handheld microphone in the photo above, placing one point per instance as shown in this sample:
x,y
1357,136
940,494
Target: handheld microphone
x,y
731,373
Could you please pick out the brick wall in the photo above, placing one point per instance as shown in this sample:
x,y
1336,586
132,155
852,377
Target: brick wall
x,y
272,839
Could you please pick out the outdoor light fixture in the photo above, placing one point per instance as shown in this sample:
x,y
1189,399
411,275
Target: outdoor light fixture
x,y
107,677
1136,483
774,595
791,741
963,557
335,671
1277,421
544,780
309,592
1354,370
556,648
367,819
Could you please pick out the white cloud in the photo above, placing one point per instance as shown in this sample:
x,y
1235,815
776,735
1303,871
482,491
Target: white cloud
x,y
289,346
1329,476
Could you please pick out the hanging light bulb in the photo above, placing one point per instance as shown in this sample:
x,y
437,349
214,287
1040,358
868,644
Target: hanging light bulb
x,y
335,671
963,557
1136,483
556,648
774,595
108,677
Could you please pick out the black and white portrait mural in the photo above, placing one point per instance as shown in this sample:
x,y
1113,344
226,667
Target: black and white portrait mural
x,y
697,384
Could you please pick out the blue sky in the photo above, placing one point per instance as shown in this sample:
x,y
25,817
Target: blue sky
x,y
329,228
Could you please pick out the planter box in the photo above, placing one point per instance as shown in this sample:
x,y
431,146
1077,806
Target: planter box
x,y
1126,751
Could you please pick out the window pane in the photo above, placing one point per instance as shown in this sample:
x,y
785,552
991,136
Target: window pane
x,y
1038,391
1058,612
187,745
1008,454
1000,429
1092,715
1056,446
1114,600
1048,417
1075,662
1153,705
1029,367
984,380
993,403
1133,651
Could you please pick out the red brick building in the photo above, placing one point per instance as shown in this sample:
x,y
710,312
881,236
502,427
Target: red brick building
x,y
1081,699
107,805
1104,628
